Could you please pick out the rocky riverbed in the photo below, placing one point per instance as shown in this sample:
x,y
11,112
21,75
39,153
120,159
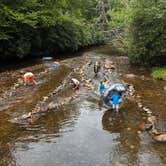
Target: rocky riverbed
x,y
50,124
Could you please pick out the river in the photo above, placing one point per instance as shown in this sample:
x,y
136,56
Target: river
x,y
79,131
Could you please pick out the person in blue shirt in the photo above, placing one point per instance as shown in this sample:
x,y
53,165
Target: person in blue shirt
x,y
102,87
115,97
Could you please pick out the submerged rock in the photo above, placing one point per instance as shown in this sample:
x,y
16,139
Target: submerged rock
x,y
160,138
27,115
164,88
154,131
152,120
146,109
140,105
109,66
148,127
130,76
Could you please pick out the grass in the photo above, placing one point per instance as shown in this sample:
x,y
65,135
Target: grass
x,y
159,73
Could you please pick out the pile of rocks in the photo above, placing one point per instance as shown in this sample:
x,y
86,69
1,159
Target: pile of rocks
x,y
151,124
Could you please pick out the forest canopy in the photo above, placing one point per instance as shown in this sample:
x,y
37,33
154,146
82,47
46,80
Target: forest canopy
x,y
30,27
140,32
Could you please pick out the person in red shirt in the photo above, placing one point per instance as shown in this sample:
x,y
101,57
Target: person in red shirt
x,y
29,78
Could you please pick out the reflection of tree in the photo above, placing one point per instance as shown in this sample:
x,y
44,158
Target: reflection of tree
x,y
129,141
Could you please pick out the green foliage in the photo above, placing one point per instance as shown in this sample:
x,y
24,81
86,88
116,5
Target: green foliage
x,y
159,73
147,33
119,20
29,27
119,14
139,30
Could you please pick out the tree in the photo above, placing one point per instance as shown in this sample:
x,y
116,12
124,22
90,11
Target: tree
x,y
147,33
46,26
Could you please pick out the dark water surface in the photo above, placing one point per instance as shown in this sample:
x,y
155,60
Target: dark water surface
x,y
83,132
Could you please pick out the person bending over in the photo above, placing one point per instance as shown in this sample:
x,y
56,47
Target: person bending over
x,y
29,78
115,100
75,83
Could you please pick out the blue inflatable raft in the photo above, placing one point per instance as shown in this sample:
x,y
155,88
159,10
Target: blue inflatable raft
x,y
108,92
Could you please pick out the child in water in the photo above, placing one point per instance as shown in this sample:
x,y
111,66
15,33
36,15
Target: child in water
x,y
115,100
29,78
102,87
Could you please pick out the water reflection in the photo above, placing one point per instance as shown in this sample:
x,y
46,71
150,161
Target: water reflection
x,y
125,124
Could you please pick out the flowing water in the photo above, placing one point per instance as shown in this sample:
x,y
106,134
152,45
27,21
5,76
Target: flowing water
x,y
81,132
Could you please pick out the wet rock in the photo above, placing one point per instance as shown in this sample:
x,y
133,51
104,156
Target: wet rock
x,y
148,127
112,67
164,88
132,146
151,119
16,85
130,76
154,131
51,105
130,88
138,96
20,81
10,94
141,126
139,132
149,112
27,115
67,100
128,129
38,110
109,66
140,105
146,109
45,98
21,72
160,138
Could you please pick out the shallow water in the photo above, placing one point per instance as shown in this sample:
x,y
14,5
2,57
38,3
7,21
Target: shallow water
x,y
82,132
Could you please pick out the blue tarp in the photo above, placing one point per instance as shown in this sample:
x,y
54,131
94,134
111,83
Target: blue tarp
x,y
47,58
